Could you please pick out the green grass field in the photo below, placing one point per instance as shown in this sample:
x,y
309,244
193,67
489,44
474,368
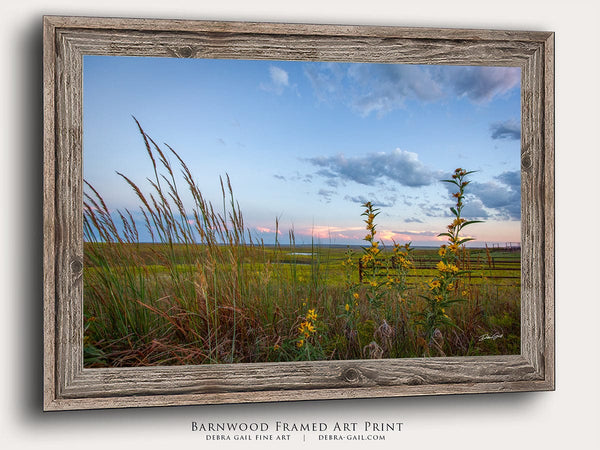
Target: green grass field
x,y
161,304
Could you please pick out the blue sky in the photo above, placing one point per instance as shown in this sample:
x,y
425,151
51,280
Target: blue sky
x,y
308,142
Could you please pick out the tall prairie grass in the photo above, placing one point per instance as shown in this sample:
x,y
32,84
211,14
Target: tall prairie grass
x,y
207,291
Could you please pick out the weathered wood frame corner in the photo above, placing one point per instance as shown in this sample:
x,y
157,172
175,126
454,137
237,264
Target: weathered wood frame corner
x,y
67,385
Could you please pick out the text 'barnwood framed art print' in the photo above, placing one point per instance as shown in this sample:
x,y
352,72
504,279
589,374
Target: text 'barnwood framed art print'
x,y
253,212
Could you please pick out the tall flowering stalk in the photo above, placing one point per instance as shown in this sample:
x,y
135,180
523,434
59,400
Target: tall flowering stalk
x,y
444,285
455,240
370,260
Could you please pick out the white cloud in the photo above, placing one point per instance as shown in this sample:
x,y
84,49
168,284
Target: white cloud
x,y
480,84
279,80
279,76
400,166
509,129
502,196
382,88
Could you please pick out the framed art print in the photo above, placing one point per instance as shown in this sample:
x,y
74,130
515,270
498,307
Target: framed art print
x,y
250,212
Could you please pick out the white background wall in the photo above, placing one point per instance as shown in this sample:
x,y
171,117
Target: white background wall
x,y
567,418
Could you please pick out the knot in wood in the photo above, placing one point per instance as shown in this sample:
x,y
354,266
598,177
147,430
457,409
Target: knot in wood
x,y
415,381
526,161
351,375
186,52
76,267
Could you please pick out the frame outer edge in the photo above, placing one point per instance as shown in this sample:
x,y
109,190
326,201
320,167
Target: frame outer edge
x,y
298,29
49,55
162,400
549,137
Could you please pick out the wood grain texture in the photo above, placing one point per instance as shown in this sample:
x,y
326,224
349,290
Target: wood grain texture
x,y
123,401
259,28
548,252
67,385
299,376
48,217
294,47
532,217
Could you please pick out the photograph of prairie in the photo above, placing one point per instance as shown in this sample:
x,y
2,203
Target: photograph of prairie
x,y
255,211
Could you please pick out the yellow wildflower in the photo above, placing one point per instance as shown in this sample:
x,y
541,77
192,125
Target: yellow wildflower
x,y
300,343
306,328
434,284
443,267
312,315
442,251
347,307
458,221
355,295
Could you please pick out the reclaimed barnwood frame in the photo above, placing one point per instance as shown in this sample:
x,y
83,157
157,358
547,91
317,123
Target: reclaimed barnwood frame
x,y
67,385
